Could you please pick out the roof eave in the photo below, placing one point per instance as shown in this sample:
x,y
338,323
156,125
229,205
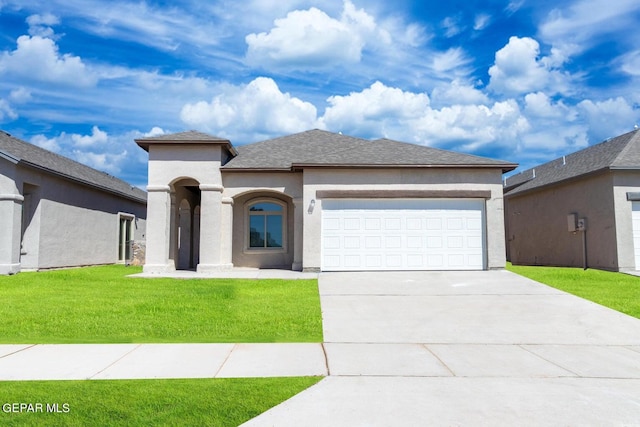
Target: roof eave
x,y
145,143
507,167
9,157
554,183
225,169
84,182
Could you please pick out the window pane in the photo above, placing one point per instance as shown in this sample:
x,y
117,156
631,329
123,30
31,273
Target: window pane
x,y
274,231
266,206
256,231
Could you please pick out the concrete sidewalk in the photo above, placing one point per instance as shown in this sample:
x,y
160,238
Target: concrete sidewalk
x,y
138,361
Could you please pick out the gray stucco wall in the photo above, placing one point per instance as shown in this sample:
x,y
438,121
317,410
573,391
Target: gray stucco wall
x,y
68,224
537,230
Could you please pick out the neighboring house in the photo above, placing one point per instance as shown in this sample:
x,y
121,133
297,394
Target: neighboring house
x,y
597,188
55,212
320,201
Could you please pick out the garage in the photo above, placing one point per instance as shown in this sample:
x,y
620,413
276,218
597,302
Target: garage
x,y
396,234
635,218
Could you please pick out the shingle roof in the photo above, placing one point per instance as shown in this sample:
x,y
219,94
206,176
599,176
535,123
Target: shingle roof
x,y
318,148
621,152
191,136
30,155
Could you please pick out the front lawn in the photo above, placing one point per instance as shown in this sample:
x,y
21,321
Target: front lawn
x,y
101,305
199,402
618,291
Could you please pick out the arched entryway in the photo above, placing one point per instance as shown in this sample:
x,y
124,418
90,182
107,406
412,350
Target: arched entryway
x,y
185,224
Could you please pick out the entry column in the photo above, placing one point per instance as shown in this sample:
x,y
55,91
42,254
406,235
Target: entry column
x,y
158,230
298,219
10,212
210,228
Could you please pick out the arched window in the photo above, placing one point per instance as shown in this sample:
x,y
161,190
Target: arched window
x,y
266,224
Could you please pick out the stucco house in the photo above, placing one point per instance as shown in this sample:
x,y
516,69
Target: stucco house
x,y
580,210
320,201
55,212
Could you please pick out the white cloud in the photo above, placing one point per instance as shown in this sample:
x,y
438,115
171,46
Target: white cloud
x,y
309,39
608,118
115,154
471,127
155,131
376,111
451,26
40,25
407,116
458,93
630,63
6,110
37,58
584,19
258,108
518,69
513,7
453,60
481,21
50,144
106,162
97,137
20,95
541,106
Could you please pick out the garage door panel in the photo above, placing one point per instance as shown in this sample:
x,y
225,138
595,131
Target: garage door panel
x,y
402,234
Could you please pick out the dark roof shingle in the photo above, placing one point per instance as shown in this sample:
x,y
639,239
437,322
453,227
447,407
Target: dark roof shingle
x,y
621,152
317,148
34,156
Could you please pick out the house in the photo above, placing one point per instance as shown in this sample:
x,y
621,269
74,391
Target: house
x,y
320,201
55,212
581,210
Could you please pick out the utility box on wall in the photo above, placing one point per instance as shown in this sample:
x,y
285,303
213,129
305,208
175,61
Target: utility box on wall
x,y
572,222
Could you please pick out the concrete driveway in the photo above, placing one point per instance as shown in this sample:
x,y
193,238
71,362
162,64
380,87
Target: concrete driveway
x,y
466,348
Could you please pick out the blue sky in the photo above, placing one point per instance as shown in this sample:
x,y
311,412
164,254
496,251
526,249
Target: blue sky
x,y
522,80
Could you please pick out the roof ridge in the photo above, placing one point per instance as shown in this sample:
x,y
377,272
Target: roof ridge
x,y
442,150
628,146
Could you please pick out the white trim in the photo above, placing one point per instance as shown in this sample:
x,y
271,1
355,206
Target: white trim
x,y
12,197
158,188
249,250
211,187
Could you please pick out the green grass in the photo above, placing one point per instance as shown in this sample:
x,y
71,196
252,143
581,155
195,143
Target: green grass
x,y
101,305
201,402
618,291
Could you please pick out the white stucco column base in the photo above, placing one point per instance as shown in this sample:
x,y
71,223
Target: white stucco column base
x,y
212,268
158,268
9,269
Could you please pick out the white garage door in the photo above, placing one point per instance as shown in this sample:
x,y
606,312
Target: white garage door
x,y
635,217
393,234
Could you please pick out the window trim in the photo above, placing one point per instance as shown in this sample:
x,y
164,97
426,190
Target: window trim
x,y
247,225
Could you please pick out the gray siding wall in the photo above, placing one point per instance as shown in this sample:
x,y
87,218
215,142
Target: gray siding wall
x,y
537,230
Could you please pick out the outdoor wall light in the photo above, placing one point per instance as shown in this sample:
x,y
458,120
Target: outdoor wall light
x,y
312,204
